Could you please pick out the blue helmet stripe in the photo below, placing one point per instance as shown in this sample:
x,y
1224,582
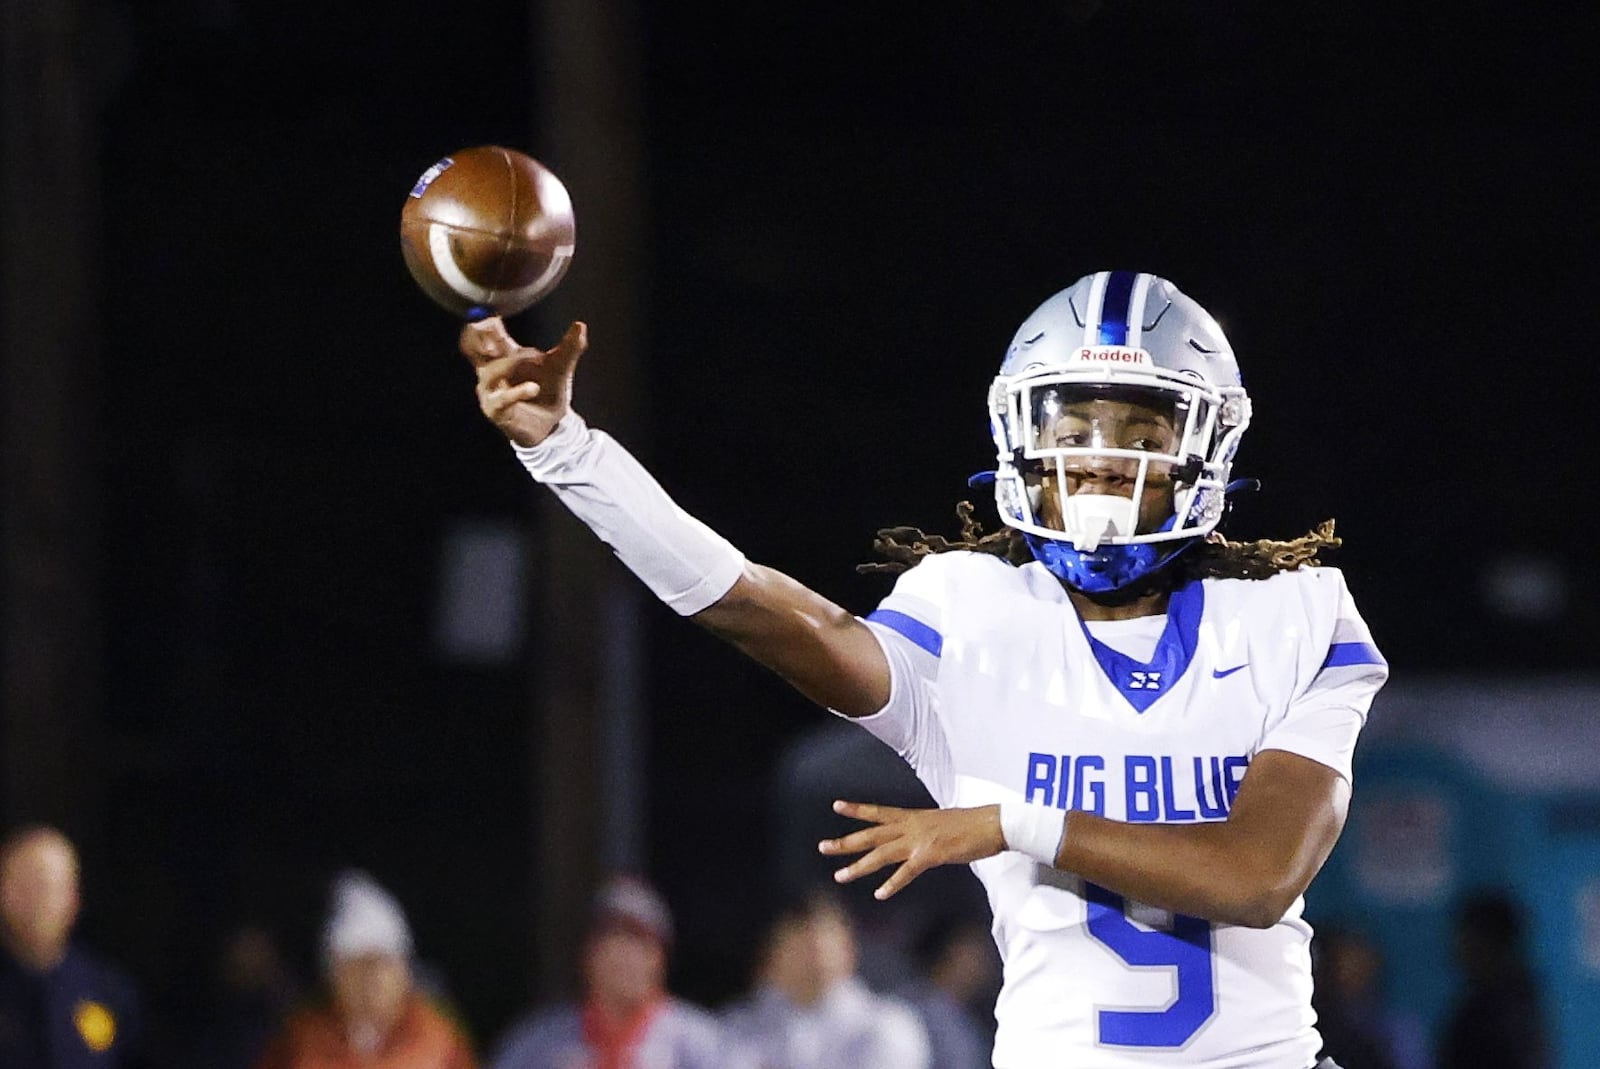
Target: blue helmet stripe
x,y
1114,309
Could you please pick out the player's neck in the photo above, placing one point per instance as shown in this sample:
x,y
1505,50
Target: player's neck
x,y
1152,604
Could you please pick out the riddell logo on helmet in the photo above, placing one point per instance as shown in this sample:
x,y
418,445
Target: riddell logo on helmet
x,y
1112,354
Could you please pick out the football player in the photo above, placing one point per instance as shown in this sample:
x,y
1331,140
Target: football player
x,y
1138,733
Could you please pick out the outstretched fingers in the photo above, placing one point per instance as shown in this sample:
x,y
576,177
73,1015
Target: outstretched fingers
x,y
883,844
914,840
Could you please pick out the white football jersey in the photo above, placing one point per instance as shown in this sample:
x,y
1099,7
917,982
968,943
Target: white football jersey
x,y
1001,693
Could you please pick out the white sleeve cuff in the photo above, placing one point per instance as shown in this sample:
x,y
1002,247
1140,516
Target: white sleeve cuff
x,y
565,443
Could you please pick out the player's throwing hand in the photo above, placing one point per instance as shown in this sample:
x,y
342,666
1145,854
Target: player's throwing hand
x,y
523,391
916,839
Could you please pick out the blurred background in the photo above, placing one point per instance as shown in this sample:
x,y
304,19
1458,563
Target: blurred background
x,y
278,601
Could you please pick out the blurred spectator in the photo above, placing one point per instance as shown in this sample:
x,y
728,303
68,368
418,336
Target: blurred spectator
x,y
1496,1021
1357,1028
254,994
60,1007
810,1010
627,1019
960,979
376,1017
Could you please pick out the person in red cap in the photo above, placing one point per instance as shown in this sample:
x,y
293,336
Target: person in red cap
x,y
627,1019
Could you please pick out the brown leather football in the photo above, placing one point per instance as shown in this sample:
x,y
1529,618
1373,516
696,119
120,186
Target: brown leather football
x,y
487,231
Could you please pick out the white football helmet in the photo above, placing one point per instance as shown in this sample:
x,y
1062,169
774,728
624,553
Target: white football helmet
x,y
1118,384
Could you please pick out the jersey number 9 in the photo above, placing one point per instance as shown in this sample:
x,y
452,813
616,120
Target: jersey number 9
x,y
1186,948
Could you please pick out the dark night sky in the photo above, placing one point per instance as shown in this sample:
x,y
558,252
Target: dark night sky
x,y
851,207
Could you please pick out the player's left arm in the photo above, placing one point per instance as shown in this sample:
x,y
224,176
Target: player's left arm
x,y
1245,870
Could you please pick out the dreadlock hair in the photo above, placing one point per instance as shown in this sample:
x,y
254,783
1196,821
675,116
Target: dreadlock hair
x,y
1214,557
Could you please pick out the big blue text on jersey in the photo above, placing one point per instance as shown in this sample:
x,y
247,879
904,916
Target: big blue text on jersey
x,y
1154,787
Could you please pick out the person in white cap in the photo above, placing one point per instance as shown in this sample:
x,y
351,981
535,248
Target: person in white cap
x,y
627,1019
376,1017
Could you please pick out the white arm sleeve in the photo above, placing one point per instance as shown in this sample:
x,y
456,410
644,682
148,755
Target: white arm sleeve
x,y
684,563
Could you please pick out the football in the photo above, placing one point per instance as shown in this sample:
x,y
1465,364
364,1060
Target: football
x,y
487,231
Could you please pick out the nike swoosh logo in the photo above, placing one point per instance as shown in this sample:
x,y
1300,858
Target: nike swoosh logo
x,y
1218,673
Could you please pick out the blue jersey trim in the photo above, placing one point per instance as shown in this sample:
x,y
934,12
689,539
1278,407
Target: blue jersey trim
x,y
1114,309
1142,682
1343,653
912,628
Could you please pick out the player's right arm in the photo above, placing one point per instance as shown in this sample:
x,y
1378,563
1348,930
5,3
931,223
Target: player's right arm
x,y
823,651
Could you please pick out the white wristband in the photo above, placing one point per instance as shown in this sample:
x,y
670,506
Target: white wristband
x,y
1035,830
684,563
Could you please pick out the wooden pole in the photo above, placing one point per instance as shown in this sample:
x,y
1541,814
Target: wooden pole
x,y
50,640
588,775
